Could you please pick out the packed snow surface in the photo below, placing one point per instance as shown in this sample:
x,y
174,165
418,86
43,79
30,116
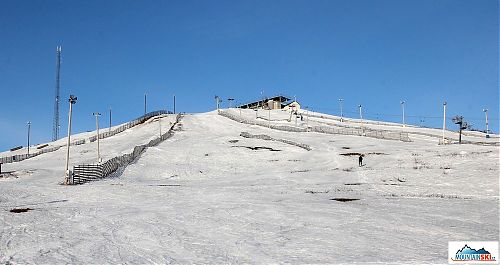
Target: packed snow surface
x,y
208,195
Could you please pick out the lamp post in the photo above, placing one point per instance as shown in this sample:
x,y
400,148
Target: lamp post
x,y
341,112
444,120
361,113
307,118
230,101
403,106
97,114
109,120
486,117
29,128
262,97
269,118
145,102
217,103
72,100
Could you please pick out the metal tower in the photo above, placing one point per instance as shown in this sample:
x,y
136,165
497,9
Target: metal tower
x,y
55,129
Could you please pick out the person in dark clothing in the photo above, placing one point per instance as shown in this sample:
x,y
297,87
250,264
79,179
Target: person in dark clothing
x,y
360,160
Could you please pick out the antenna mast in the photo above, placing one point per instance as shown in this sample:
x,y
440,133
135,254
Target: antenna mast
x,y
55,129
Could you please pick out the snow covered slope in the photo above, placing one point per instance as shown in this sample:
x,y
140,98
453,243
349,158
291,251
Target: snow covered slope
x,y
208,195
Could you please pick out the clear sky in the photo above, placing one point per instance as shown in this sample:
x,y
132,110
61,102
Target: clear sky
x,y
370,52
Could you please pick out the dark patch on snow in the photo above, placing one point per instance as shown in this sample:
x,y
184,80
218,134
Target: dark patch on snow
x,y
352,184
166,185
360,154
344,199
20,210
300,171
233,141
258,148
345,147
433,195
351,154
314,191
57,201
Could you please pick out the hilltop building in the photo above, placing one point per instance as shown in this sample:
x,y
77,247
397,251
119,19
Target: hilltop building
x,y
276,102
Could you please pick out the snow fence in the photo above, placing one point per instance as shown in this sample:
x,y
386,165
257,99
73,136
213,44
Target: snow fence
x,y
269,138
21,157
91,172
379,134
449,140
142,119
239,119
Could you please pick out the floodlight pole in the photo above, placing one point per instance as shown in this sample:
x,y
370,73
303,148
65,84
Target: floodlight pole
x,y
444,121
403,106
145,102
262,96
486,116
72,100
230,101
159,121
109,120
341,112
295,114
269,118
29,129
307,118
360,113
97,114
174,103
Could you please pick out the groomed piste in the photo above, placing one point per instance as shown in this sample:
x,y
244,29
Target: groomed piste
x,y
241,188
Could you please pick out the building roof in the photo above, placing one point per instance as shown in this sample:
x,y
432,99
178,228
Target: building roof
x,y
284,104
262,101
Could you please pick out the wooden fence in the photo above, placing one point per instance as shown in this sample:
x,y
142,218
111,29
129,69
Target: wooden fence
x,y
380,134
140,120
86,173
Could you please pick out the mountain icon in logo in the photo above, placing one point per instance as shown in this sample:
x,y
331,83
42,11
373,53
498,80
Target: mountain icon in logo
x,y
468,250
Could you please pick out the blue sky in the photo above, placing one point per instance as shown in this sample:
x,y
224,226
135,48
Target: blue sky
x,y
369,52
